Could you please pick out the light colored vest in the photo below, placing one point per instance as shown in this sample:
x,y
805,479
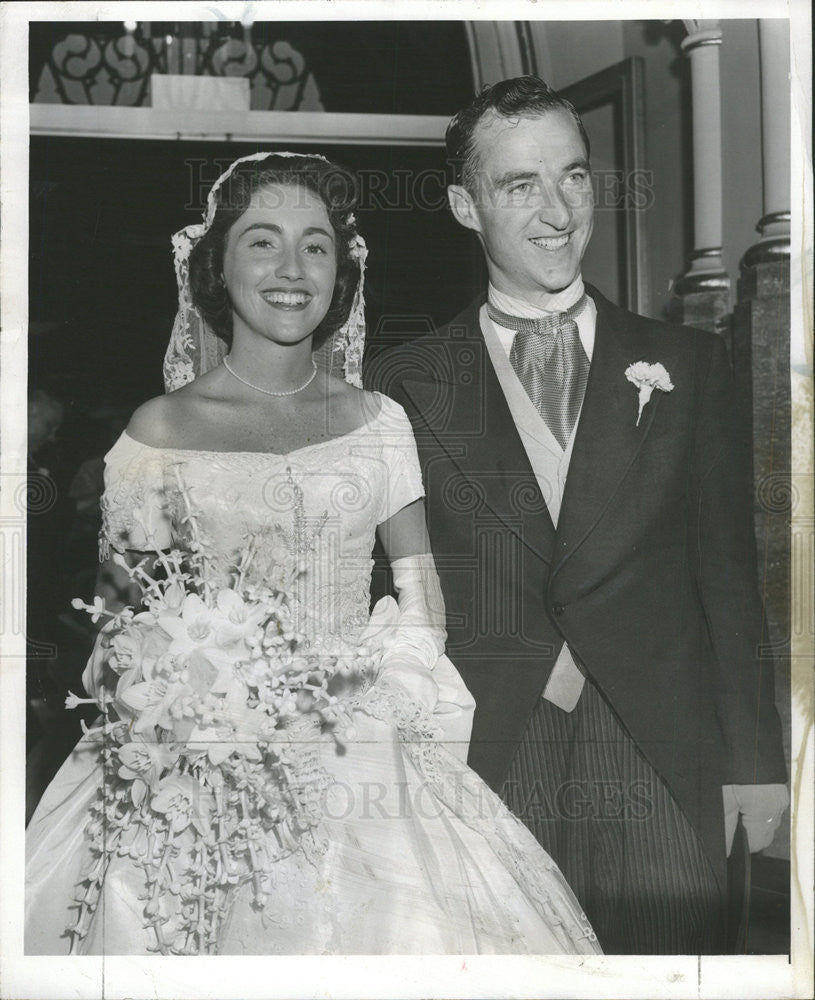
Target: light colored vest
x,y
550,463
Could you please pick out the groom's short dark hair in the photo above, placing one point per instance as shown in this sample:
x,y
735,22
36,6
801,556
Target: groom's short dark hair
x,y
521,97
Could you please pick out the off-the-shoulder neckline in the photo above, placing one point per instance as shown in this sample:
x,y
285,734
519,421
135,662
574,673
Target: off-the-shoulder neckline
x,y
384,401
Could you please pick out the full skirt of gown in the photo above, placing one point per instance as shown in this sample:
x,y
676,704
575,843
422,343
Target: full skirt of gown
x,y
413,853
416,856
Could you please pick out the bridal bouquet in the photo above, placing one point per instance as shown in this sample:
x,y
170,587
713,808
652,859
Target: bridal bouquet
x,y
212,702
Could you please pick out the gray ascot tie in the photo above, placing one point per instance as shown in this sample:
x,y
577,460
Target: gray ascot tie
x,y
550,361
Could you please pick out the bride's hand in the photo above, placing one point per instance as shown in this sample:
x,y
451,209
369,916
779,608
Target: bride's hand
x,y
411,677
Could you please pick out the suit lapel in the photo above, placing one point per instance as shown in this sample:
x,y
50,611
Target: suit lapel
x,y
608,439
474,427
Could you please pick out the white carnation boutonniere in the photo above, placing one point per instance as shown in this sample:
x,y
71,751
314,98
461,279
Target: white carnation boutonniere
x,y
647,377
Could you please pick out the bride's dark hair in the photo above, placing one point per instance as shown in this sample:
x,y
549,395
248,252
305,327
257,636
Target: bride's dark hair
x,y
333,184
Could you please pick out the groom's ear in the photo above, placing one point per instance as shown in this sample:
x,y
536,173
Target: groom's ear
x,y
463,207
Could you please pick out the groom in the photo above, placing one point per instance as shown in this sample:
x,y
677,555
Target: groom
x,y
588,508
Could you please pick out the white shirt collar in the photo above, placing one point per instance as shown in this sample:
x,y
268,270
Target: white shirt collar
x,y
586,319
553,303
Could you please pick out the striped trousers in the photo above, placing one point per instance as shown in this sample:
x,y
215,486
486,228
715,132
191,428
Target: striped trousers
x,y
617,834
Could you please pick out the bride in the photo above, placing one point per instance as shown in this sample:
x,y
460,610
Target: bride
x,y
260,459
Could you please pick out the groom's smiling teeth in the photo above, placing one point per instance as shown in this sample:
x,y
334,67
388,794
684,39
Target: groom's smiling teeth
x,y
550,242
290,300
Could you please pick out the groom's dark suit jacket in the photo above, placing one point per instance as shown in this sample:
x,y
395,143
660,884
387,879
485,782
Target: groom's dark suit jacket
x,y
650,575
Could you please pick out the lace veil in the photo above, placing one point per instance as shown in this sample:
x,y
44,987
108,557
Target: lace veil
x,y
194,349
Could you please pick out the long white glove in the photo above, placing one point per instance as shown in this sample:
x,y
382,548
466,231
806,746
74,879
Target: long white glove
x,y
414,644
412,635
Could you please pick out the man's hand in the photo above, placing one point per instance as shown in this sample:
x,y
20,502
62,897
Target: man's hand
x,y
761,808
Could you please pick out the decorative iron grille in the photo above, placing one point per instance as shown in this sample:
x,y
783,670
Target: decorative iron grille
x,y
106,64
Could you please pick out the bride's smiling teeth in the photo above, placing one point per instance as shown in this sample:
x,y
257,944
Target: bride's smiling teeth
x,y
287,298
550,242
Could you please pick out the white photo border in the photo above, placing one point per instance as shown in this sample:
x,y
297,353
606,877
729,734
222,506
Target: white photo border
x,y
27,978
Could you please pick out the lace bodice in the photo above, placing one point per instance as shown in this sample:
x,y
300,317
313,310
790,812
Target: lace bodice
x,y
316,507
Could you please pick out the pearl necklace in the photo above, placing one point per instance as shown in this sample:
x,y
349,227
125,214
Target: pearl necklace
x,y
269,392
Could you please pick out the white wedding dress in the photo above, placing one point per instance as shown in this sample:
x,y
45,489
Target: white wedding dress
x,y
419,856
